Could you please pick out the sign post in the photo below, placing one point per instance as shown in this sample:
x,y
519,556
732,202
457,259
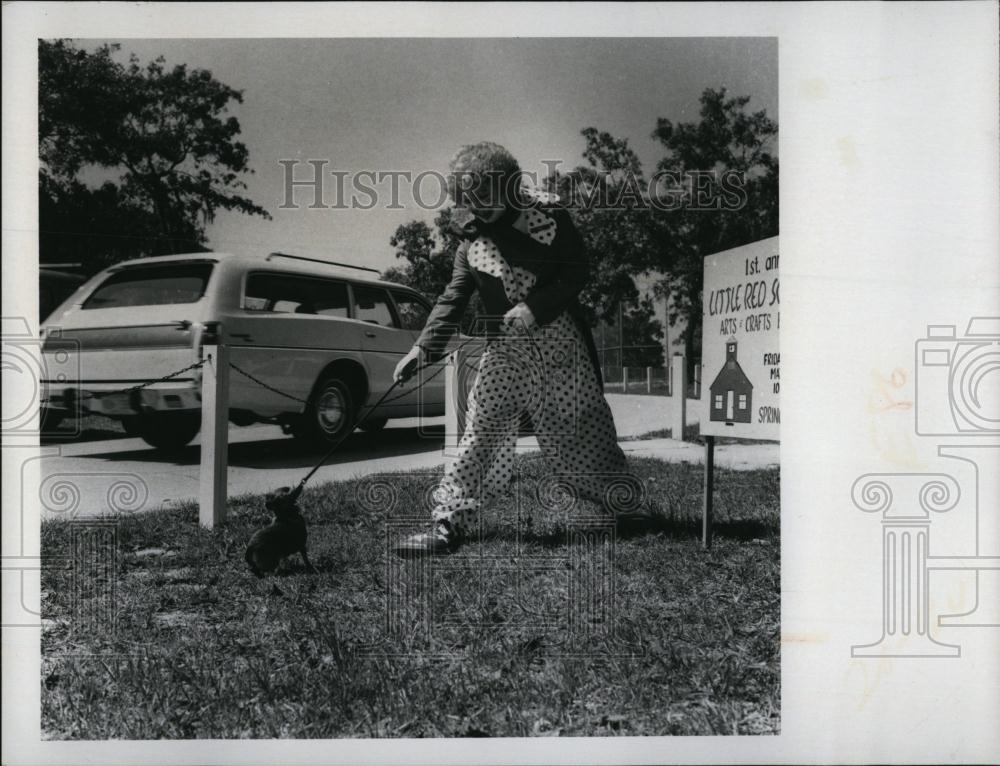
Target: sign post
x,y
212,479
454,420
706,510
740,362
678,396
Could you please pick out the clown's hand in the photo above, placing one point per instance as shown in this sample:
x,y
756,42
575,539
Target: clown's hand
x,y
407,366
519,319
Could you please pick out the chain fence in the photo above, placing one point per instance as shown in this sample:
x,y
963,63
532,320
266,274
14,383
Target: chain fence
x,y
201,363
117,392
648,380
269,387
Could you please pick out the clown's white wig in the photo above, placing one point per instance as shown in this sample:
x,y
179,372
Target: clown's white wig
x,y
478,167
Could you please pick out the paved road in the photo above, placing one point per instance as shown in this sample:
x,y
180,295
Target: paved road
x,y
92,477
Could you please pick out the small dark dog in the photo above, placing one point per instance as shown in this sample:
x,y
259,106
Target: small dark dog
x,y
282,537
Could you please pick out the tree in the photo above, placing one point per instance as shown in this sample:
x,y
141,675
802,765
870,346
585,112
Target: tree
x,y
425,268
606,201
727,138
161,134
633,225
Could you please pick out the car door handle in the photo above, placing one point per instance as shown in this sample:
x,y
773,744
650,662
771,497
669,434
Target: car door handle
x,y
370,334
242,335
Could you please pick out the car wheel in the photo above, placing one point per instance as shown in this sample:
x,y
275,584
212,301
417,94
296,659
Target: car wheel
x,y
329,413
372,425
168,431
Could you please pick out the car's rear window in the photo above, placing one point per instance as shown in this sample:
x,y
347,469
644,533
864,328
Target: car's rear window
x,y
151,286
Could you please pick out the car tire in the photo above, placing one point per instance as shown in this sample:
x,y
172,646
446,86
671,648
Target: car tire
x,y
329,413
131,426
373,425
49,420
168,431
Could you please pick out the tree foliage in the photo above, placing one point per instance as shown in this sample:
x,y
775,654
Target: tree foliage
x,y
606,199
693,216
726,138
160,136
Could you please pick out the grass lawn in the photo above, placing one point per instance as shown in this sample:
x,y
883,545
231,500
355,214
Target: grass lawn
x,y
520,634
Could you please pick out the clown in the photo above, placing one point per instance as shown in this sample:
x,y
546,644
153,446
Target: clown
x,y
522,253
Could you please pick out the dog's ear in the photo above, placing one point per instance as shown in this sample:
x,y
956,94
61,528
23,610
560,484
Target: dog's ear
x,y
282,502
272,500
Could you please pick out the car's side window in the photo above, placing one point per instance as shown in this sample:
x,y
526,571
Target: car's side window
x,y
331,299
412,311
371,304
283,293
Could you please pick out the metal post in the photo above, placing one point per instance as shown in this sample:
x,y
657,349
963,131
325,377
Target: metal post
x,y
453,425
706,515
649,380
213,484
624,379
678,396
697,381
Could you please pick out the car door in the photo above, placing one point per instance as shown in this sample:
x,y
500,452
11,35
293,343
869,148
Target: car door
x,y
289,328
413,310
383,340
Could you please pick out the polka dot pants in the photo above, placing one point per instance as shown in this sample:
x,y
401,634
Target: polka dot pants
x,y
545,376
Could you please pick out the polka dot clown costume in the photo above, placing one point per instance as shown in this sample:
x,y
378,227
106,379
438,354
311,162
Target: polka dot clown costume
x,y
539,366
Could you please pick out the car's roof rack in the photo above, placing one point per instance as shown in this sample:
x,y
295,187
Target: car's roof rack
x,y
318,260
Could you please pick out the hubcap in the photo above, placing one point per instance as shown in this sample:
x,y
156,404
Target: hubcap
x,y
331,410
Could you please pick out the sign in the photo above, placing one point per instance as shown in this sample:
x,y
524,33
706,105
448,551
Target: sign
x,y
740,360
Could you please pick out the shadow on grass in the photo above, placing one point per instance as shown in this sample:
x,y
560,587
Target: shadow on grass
x,y
285,452
740,530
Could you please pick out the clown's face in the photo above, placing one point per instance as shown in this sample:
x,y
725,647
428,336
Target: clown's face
x,y
485,201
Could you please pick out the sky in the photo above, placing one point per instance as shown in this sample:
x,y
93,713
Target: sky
x,y
409,104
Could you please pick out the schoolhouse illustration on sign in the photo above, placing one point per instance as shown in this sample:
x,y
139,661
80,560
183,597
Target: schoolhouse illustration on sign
x,y
731,390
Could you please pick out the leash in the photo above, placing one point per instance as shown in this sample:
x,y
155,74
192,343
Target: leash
x,y
293,495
